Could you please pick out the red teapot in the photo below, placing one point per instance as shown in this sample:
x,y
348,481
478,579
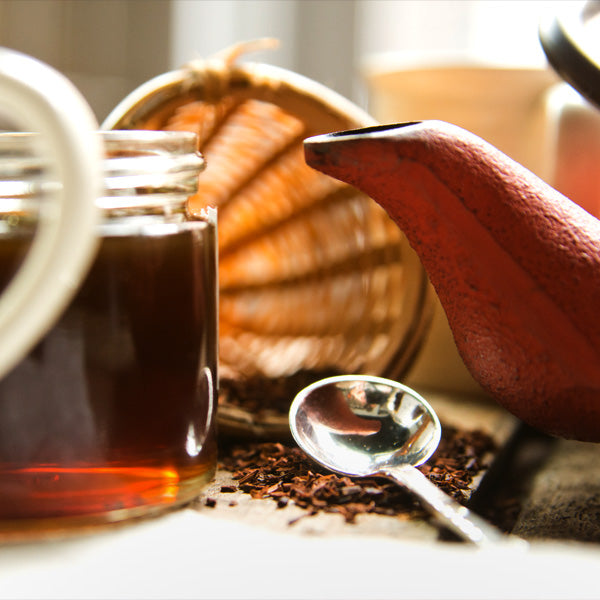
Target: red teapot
x,y
516,265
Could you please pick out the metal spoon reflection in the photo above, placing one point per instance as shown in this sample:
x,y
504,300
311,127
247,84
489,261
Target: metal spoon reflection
x,y
369,426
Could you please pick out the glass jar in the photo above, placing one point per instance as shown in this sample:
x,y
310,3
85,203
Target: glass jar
x,y
111,415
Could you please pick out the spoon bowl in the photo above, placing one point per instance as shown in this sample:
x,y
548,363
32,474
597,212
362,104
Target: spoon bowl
x,y
369,426
357,426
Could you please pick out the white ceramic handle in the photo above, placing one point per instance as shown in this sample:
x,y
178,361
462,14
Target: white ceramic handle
x,y
38,98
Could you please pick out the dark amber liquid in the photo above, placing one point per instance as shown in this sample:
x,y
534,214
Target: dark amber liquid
x,y
111,414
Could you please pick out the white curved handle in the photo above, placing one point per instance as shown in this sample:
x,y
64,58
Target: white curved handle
x,y
40,99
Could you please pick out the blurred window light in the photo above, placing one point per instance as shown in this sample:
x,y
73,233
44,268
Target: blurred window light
x,y
329,40
493,31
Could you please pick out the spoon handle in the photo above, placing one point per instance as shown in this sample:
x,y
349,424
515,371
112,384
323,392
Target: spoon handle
x,y
459,519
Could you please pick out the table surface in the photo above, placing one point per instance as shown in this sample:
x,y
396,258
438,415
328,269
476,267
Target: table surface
x,y
190,554
250,551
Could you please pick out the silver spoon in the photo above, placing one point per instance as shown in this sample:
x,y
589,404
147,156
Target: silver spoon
x,y
368,426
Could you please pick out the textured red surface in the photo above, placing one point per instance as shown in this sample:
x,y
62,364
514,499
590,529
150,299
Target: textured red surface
x,y
516,265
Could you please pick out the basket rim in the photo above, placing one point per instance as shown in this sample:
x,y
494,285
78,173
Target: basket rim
x,y
250,80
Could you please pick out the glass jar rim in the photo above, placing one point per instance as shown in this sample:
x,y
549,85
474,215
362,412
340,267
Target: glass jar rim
x,y
144,170
140,139
169,141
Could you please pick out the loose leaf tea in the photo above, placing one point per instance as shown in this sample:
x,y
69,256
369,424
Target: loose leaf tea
x,y
286,474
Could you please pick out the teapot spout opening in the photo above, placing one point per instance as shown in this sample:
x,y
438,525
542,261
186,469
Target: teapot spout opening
x,y
362,132
336,154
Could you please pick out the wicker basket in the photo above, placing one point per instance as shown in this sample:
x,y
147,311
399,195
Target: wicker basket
x,y
314,276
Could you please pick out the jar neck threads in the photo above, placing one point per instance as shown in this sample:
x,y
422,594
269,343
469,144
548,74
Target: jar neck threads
x,y
145,173
149,172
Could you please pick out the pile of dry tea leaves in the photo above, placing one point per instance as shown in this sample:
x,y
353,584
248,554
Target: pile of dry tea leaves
x,y
286,474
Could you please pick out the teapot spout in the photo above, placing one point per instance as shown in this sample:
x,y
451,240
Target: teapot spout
x,y
515,264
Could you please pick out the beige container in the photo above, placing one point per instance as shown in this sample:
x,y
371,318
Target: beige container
x,y
507,107
576,161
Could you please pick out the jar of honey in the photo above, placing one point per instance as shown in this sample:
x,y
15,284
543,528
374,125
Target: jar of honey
x,y
111,415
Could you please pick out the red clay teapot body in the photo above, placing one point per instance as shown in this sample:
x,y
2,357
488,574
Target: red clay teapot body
x,y
515,264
